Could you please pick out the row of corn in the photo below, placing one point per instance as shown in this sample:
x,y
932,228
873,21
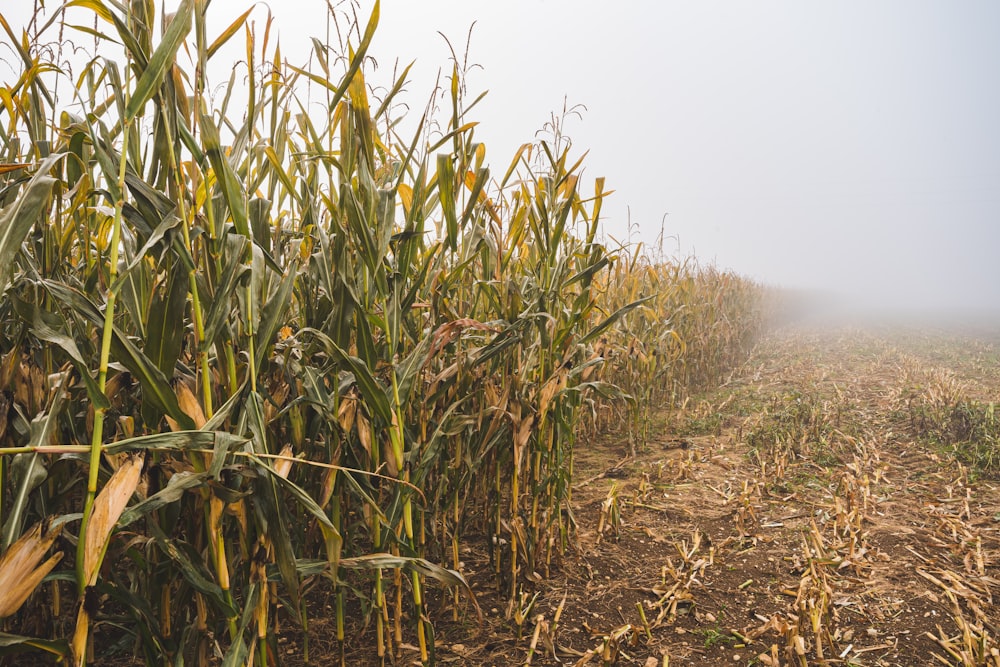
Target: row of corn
x,y
252,350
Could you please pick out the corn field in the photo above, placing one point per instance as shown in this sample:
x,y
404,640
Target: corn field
x,y
250,350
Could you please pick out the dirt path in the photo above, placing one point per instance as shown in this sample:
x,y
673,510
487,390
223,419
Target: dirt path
x,y
807,512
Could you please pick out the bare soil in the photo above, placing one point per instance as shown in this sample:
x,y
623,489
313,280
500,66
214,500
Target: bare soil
x,y
808,512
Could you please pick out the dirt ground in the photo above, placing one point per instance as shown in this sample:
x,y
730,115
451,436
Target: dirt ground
x,y
810,511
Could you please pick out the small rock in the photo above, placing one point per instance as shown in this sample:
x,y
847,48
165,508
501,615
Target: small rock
x,y
737,657
710,617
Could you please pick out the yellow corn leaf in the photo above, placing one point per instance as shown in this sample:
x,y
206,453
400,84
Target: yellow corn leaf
x,y
470,182
98,8
20,572
183,107
79,645
216,507
406,196
229,32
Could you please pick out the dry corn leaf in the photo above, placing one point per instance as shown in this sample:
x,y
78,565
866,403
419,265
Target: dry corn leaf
x,y
20,572
79,645
108,507
346,413
9,167
283,464
364,431
189,405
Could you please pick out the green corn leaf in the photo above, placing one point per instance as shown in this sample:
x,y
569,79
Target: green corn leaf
x,y
17,219
381,561
361,227
171,493
27,472
162,60
155,385
178,441
222,414
255,422
10,644
219,304
272,316
475,190
268,500
190,569
408,369
228,181
371,390
587,274
131,42
446,186
164,338
147,622
612,318
237,653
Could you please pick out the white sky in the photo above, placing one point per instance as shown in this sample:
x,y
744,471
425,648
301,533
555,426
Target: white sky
x,y
849,145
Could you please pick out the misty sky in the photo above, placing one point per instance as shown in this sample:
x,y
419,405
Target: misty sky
x,y
850,146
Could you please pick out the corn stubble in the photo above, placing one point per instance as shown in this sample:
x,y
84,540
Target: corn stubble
x,y
249,352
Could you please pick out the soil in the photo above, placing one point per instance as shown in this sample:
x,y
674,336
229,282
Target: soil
x,y
806,512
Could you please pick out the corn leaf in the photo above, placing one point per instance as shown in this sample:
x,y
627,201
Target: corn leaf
x,y
272,316
21,567
381,561
374,394
171,493
229,183
228,33
108,507
594,333
11,644
50,327
162,60
155,386
178,441
17,219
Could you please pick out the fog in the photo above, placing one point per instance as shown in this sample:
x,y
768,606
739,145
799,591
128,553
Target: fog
x,y
847,148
